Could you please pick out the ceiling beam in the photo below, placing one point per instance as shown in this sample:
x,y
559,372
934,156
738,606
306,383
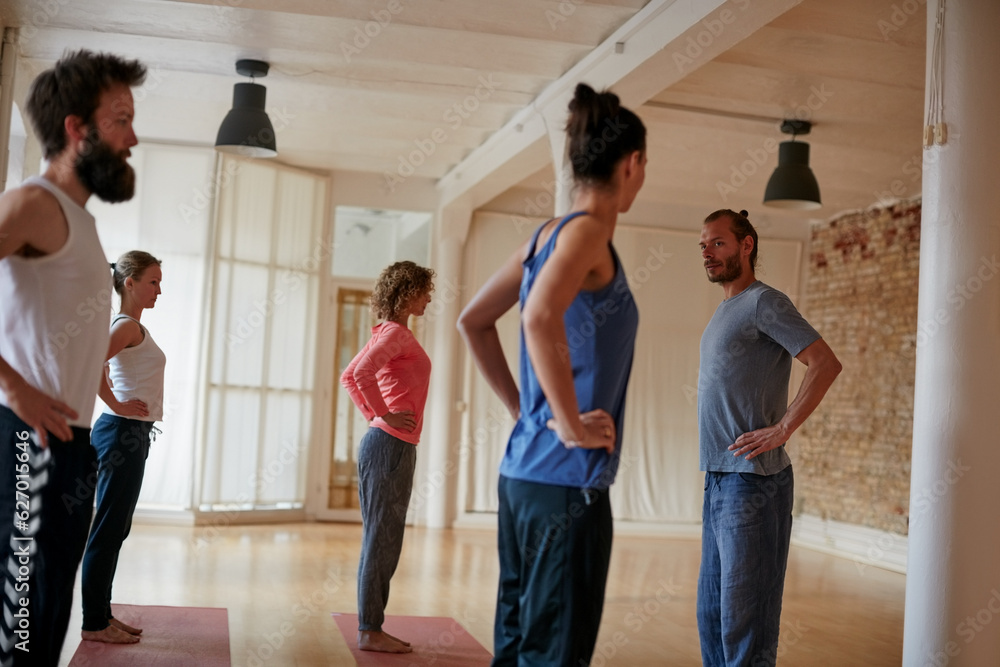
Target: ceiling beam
x,y
658,46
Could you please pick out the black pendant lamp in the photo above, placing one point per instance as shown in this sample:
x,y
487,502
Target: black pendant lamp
x,y
793,185
246,130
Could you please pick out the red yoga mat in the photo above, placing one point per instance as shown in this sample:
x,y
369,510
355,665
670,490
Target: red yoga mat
x,y
436,640
171,637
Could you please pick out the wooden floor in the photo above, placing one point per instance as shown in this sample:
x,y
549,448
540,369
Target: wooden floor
x,y
280,583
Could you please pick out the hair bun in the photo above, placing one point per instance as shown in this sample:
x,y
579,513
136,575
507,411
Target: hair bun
x,y
744,214
584,93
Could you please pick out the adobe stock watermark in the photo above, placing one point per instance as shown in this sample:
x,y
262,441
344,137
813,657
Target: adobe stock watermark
x,y
454,116
959,296
602,140
43,12
603,312
260,481
497,420
60,338
565,9
291,280
536,206
223,7
560,523
968,629
876,552
925,499
203,197
913,169
301,611
134,438
363,35
446,292
899,16
434,648
610,133
790,634
636,619
922,502
740,172
712,28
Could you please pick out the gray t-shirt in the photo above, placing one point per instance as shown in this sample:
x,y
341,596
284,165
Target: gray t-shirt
x,y
746,361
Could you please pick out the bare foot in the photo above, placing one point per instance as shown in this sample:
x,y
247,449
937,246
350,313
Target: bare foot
x,y
109,635
371,640
396,638
121,625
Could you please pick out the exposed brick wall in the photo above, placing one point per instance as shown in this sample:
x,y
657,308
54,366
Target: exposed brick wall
x,y
852,457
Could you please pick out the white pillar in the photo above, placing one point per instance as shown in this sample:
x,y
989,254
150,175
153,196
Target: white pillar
x,y
953,566
8,66
436,484
563,196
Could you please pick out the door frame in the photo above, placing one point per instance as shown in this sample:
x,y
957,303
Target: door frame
x,y
327,384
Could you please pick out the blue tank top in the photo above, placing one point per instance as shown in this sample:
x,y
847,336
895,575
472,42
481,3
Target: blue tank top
x,y
600,332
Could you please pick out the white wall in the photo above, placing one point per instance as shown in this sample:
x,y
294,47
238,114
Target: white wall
x,y
659,480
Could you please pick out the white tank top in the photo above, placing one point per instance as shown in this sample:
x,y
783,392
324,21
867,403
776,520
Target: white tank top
x,y
54,313
137,372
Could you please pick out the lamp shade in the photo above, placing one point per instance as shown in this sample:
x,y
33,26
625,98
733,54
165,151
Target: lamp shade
x,y
793,185
246,130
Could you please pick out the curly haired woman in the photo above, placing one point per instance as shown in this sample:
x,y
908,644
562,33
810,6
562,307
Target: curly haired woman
x,y
388,382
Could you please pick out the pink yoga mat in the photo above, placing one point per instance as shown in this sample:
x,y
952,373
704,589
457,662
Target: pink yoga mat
x,y
436,640
171,637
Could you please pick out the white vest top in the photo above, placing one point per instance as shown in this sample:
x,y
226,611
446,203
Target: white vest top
x,y
54,313
137,372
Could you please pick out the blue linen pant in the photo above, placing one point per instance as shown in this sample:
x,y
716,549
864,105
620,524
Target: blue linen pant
x,y
40,556
746,529
385,480
122,446
554,544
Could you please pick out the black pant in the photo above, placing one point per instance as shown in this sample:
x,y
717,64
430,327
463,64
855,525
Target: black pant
x,y
385,480
46,501
122,446
554,544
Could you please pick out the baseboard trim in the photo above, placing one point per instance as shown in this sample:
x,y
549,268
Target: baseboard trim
x,y
866,547
476,520
186,517
667,529
163,517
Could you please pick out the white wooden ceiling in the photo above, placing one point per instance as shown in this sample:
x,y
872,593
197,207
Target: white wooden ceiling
x,y
364,86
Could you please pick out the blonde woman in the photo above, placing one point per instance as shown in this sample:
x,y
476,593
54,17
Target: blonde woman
x,y
121,437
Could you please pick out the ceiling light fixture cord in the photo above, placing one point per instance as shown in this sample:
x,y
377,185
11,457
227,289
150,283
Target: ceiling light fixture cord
x,y
935,127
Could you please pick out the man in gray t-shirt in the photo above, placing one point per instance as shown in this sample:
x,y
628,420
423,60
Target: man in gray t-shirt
x,y
744,421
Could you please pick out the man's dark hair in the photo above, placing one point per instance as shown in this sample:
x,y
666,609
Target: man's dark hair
x,y
73,87
739,224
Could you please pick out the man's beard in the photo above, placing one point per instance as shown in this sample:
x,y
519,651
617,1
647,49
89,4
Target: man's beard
x,y
731,270
103,172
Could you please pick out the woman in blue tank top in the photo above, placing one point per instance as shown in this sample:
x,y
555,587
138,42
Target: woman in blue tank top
x,y
578,324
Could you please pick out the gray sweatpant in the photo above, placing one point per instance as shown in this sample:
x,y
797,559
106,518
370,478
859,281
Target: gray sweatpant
x,y
385,479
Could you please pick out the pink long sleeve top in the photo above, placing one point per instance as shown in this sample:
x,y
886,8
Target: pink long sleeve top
x,y
390,374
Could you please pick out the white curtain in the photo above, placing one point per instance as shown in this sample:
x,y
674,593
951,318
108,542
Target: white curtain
x,y
269,247
658,480
169,217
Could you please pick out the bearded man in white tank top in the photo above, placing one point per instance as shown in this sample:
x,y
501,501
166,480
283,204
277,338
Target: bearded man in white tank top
x,y
54,311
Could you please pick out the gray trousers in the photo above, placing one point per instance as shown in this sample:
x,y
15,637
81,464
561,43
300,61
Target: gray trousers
x,y
385,479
